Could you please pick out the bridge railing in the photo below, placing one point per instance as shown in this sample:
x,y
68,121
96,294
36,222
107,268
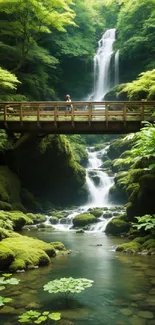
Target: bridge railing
x,y
80,111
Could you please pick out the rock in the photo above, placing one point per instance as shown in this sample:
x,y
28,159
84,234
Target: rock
x,y
80,231
138,297
134,320
145,314
126,312
7,310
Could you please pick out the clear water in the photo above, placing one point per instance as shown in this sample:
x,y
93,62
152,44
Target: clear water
x,y
123,284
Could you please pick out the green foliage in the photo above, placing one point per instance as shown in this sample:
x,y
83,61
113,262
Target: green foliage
x,y
147,222
7,80
136,37
144,145
68,285
35,317
142,88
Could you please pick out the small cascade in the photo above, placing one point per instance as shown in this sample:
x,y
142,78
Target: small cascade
x,y
97,181
100,226
66,223
117,68
102,65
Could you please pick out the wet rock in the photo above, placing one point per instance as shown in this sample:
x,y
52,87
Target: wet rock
x,y
134,320
33,305
7,310
150,301
145,314
80,231
126,312
138,297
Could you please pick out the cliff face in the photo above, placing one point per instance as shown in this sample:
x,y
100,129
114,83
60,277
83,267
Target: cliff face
x,y
47,168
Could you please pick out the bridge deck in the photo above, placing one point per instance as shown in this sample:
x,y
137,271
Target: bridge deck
x,y
84,117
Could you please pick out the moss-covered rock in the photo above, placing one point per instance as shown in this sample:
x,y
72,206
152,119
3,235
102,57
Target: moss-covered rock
x,y
117,226
96,212
29,201
36,218
58,245
6,257
83,219
50,162
9,190
117,147
131,247
54,220
14,220
24,252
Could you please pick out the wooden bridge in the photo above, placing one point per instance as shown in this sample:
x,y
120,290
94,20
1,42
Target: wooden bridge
x,y
84,117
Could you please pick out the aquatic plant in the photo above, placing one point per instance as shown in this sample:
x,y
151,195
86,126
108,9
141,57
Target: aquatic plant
x,y
35,317
4,281
68,286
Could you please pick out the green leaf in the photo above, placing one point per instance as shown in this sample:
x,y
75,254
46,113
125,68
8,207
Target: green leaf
x,y
55,316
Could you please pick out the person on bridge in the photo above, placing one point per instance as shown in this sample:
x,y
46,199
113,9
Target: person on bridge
x,y
68,106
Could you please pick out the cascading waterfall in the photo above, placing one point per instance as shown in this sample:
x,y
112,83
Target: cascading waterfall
x,y
102,64
98,194
117,68
98,184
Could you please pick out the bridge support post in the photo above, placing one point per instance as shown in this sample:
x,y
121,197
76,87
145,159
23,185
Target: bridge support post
x,y
90,113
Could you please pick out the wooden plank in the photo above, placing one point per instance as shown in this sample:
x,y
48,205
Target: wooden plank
x,y
142,113
72,115
106,115
90,114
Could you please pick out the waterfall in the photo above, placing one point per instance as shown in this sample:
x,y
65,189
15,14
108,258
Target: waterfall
x,y
117,68
102,64
98,193
98,184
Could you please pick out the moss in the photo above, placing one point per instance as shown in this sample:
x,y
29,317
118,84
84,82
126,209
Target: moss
x,y
17,264
9,188
117,147
107,164
29,201
36,218
5,206
96,212
83,219
54,220
19,220
53,156
58,214
131,247
150,243
6,257
24,252
117,226
58,245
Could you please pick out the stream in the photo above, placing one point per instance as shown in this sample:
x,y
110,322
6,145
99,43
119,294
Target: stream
x,y
123,292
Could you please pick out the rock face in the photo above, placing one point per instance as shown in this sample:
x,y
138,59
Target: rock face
x,y
9,190
47,168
